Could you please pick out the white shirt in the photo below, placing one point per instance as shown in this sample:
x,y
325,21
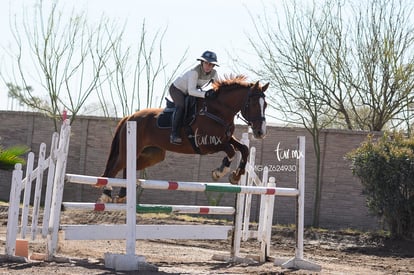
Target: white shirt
x,y
194,78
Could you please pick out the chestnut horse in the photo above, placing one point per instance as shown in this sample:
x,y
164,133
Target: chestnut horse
x,y
211,131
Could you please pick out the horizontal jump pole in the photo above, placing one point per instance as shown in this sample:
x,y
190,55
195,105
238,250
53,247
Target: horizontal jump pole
x,y
217,187
186,186
151,208
97,181
147,232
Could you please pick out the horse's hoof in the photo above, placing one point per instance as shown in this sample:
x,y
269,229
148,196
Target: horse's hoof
x,y
119,199
218,173
104,198
233,178
215,175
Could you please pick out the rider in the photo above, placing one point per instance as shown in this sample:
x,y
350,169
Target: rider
x,y
190,83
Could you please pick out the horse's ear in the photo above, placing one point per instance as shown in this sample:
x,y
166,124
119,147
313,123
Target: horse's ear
x,y
264,88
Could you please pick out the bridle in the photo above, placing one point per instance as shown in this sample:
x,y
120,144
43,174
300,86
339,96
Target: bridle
x,y
245,111
249,120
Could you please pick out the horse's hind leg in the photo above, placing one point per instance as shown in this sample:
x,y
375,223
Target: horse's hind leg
x,y
121,197
147,158
106,196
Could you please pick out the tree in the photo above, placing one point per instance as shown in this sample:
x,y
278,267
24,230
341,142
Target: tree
x,y
288,56
145,67
330,69
68,59
15,93
382,77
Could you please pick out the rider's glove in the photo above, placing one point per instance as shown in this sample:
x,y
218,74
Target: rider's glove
x,y
210,94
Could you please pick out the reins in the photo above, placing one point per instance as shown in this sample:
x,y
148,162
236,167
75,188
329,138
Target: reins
x,y
245,110
204,112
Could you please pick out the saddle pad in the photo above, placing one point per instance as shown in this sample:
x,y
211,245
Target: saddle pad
x,y
164,120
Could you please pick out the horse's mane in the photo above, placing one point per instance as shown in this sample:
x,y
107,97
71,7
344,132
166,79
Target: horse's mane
x,y
230,81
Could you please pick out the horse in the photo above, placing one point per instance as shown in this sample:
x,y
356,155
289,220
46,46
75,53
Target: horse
x,y
213,118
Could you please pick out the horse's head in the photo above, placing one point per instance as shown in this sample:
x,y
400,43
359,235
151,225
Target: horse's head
x,y
237,95
253,110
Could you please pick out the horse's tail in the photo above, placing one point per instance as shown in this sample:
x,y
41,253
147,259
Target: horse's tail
x,y
114,153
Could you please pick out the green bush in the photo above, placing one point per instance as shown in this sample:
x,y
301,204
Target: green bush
x,y
12,155
386,169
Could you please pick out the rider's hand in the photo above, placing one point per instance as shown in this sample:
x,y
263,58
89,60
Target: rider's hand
x,y
210,94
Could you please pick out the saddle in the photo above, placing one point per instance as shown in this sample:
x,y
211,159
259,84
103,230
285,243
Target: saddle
x,y
164,120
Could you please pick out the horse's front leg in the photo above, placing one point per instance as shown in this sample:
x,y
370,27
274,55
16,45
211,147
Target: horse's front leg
x,y
225,164
235,176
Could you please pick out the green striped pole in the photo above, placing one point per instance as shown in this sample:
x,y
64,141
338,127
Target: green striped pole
x,y
218,187
151,208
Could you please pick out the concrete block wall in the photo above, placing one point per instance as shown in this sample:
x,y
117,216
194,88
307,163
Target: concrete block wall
x,y
342,204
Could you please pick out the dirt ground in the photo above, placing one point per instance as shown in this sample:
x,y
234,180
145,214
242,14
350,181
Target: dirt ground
x,y
346,252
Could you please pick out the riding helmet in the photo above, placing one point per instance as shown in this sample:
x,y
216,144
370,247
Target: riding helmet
x,y
209,56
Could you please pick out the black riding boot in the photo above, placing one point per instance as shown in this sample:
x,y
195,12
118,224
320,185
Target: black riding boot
x,y
176,125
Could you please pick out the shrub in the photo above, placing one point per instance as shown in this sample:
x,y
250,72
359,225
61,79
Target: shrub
x,y
386,169
12,155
